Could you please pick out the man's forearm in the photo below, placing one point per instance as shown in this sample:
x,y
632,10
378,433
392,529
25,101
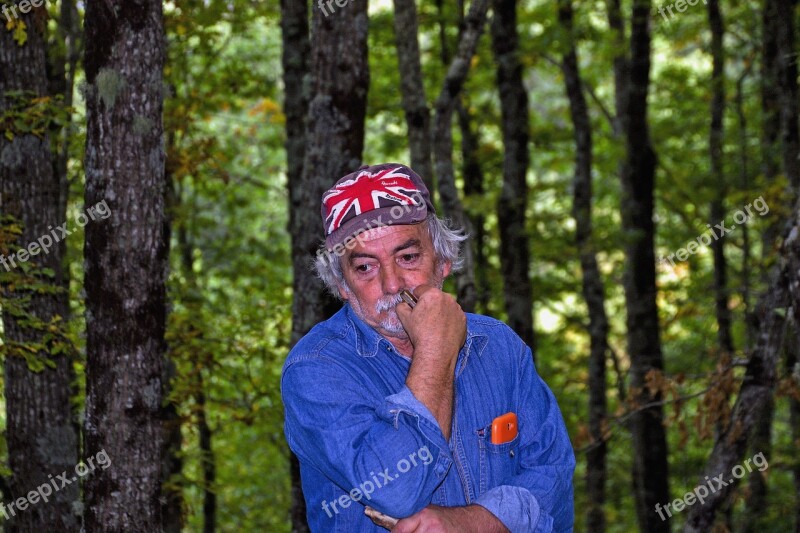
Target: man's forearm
x,y
434,388
472,518
476,518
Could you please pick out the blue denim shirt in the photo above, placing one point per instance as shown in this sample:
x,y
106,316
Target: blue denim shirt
x,y
362,438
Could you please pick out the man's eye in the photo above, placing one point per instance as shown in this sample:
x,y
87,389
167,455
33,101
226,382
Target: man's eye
x,y
409,258
363,268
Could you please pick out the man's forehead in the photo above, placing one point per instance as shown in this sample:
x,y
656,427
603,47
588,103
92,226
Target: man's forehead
x,y
387,237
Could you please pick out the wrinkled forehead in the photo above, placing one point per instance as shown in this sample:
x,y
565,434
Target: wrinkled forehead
x,y
389,238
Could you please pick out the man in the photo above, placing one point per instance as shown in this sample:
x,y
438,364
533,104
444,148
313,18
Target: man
x,y
421,413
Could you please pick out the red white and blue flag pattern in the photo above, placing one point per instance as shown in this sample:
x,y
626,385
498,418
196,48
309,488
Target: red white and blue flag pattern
x,y
367,191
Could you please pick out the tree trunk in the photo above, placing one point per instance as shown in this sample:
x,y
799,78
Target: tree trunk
x,y
758,386
592,283
716,137
126,263
473,188
443,143
296,73
717,211
334,144
473,174
40,431
622,66
207,457
295,59
771,116
744,178
514,245
787,93
760,442
412,90
650,468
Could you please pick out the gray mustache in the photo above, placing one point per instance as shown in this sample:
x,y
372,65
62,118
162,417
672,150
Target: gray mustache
x,y
387,302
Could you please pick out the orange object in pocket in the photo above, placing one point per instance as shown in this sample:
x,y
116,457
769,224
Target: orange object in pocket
x,y
504,428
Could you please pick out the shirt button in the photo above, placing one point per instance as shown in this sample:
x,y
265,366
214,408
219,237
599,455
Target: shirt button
x,y
440,469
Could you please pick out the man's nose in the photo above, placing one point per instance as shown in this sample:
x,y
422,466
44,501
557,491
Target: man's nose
x,y
391,279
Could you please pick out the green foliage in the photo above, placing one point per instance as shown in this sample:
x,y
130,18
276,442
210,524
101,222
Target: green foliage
x,y
28,114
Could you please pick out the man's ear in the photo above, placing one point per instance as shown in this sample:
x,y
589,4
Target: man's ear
x,y
446,267
343,293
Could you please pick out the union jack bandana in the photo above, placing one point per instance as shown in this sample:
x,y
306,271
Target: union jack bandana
x,y
373,196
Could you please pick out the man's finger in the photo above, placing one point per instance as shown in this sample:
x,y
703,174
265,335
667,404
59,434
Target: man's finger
x,y
419,290
403,311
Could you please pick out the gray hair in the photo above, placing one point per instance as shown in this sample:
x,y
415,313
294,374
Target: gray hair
x,y
446,244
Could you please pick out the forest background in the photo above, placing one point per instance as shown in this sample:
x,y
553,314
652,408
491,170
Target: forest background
x,y
592,149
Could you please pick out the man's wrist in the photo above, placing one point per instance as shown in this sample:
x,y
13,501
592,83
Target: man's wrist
x,y
474,518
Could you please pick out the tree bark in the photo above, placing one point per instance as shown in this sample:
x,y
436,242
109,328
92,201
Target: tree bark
x,y
296,52
473,174
443,143
787,91
650,468
744,178
758,385
40,432
621,61
514,245
473,188
716,139
592,283
126,263
412,90
771,116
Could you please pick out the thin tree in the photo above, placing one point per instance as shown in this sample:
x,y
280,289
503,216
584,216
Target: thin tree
x,y
126,263
650,468
443,142
716,139
295,59
412,90
40,432
513,202
471,166
592,282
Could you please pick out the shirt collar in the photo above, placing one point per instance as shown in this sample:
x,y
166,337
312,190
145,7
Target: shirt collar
x,y
368,340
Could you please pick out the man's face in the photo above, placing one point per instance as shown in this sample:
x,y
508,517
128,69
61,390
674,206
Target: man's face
x,y
383,261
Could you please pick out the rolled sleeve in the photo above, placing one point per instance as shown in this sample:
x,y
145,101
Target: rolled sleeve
x,y
516,508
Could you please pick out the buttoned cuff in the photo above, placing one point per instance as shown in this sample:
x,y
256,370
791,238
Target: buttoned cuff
x,y
516,508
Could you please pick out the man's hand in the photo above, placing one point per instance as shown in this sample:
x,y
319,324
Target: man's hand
x,y
435,519
437,327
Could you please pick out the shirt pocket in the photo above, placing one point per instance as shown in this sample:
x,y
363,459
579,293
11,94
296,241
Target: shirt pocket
x,y
498,462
